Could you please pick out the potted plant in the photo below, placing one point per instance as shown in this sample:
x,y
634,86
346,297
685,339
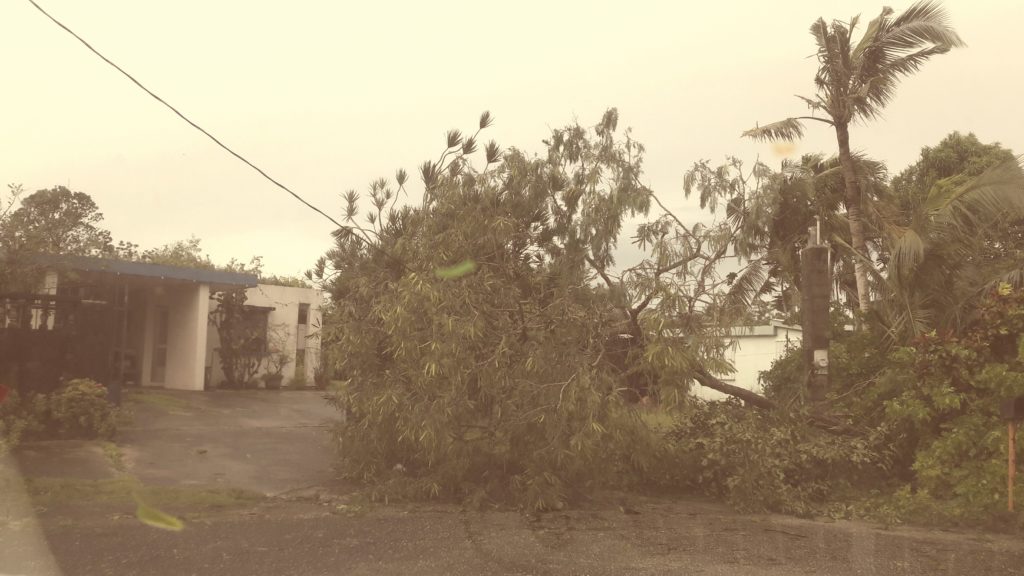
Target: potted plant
x,y
276,362
277,358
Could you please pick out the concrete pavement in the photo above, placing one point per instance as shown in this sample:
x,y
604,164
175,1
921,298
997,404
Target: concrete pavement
x,y
276,443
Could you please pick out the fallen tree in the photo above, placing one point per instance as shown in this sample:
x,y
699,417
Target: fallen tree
x,y
479,332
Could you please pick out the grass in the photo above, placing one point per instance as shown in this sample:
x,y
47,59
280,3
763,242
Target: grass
x,y
114,455
124,416
122,490
158,400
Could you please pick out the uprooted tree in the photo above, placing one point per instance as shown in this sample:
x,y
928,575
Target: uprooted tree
x,y
488,347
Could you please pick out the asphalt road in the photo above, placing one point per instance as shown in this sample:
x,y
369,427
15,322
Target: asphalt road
x,y
665,537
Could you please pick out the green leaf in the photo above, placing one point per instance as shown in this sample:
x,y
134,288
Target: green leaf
x,y
156,518
486,120
786,130
493,152
456,271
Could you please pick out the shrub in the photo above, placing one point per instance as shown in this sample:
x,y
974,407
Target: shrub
x,y
952,434
941,396
934,404
80,409
14,421
321,376
761,461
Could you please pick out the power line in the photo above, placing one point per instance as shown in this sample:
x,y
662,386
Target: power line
x,y
186,119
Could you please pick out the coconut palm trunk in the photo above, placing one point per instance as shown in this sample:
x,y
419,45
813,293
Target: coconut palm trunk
x,y
853,215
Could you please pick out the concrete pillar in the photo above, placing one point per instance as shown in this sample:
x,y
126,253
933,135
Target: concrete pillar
x,y
186,340
146,353
202,324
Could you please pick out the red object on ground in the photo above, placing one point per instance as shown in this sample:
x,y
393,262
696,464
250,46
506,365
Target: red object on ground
x,y
4,390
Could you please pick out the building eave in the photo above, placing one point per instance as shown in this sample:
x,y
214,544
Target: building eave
x,y
215,278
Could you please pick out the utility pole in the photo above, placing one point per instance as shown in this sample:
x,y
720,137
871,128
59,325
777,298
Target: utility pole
x,y
1012,410
815,290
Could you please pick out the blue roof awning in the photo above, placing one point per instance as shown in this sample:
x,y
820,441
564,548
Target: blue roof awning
x,y
147,270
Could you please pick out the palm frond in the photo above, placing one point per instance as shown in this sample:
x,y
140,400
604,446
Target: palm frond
x,y
880,87
915,34
748,283
786,130
996,193
924,22
869,169
910,63
871,33
1013,277
895,47
916,318
908,249
813,104
870,264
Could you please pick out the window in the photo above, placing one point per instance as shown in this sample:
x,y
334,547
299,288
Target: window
x,y
303,314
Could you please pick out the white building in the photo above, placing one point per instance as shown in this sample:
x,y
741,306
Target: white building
x,y
147,324
294,316
754,350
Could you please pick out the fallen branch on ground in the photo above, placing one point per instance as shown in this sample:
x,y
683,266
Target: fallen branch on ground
x,y
822,421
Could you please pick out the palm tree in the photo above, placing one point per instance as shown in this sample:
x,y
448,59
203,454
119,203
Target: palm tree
x,y
940,256
811,193
855,82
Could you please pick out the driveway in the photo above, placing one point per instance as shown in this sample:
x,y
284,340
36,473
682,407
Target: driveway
x,y
270,442
264,441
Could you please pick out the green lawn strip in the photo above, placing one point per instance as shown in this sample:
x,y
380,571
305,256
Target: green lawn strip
x,y
156,399
50,492
114,456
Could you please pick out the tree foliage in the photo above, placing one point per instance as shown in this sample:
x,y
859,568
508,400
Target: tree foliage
x,y
187,253
767,461
855,81
56,221
952,231
9,271
241,330
942,399
488,379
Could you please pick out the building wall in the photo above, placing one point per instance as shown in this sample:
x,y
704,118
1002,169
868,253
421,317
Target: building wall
x,y
285,301
188,315
187,302
754,353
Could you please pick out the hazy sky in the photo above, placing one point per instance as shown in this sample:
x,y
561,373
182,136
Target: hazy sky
x,y
326,96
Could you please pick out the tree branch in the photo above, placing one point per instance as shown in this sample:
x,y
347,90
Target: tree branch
x,y
704,378
822,421
600,272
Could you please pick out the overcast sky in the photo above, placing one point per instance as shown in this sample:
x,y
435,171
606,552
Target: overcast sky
x,y
326,96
